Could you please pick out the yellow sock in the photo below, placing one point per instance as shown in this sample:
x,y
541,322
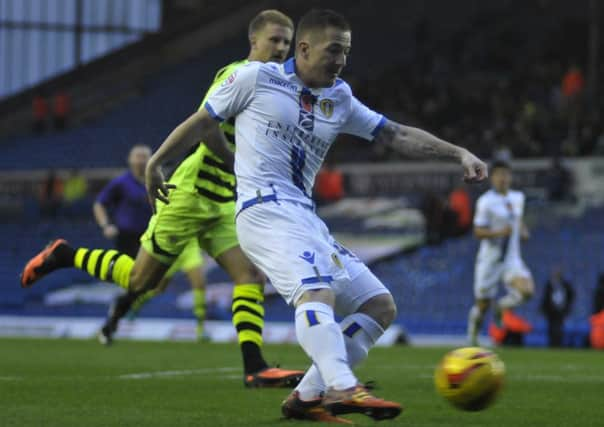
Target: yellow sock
x,y
108,265
248,312
199,304
199,310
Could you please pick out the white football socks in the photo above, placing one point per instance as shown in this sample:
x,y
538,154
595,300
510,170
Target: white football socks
x,y
474,323
321,338
360,334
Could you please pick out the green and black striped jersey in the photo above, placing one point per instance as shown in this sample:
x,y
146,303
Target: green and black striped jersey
x,y
203,172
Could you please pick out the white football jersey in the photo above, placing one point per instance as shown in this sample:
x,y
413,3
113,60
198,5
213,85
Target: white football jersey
x,y
495,211
283,129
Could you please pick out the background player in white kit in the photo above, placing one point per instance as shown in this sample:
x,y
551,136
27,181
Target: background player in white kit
x,y
498,223
286,117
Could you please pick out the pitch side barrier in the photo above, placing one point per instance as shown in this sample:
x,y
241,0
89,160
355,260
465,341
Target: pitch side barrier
x,y
375,179
390,179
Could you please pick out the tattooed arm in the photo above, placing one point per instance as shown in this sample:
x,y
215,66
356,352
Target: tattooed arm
x,y
417,143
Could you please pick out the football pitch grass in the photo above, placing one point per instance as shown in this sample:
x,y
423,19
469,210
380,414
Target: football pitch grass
x,y
79,383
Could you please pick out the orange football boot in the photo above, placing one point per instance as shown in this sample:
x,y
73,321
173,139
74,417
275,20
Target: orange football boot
x,y
41,265
273,378
311,410
358,400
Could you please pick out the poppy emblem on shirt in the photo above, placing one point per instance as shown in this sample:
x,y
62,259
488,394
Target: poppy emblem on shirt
x,y
326,106
306,102
230,79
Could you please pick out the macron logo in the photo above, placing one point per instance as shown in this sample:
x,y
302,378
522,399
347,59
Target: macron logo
x,y
309,257
282,83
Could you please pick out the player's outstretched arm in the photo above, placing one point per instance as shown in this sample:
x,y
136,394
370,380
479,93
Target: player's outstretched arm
x,y
200,126
414,142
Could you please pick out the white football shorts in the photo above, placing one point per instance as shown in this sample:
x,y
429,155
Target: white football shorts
x,y
487,277
294,248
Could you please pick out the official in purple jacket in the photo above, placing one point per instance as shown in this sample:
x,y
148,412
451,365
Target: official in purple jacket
x,y
122,211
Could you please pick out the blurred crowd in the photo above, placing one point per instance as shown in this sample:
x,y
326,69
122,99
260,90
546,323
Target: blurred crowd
x,y
495,84
533,117
54,110
64,197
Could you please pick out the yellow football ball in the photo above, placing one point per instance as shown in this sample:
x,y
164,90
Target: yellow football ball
x,y
470,378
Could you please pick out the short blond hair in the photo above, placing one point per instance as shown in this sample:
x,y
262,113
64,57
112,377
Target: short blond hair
x,y
269,16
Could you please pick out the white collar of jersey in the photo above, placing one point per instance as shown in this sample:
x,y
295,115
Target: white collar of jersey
x,y
498,194
289,66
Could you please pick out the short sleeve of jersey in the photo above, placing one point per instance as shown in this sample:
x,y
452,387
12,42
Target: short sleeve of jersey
x,y
363,121
110,194
481,216
234,93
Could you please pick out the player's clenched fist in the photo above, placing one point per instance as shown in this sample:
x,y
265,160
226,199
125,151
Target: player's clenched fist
x,y
475,170
157,188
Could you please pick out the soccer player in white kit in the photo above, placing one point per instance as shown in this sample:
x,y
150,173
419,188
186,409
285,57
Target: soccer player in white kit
x,y
499,225
286,117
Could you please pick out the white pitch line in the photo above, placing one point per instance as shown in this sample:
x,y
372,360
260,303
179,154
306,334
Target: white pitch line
x,y
176,373
8,378
231,377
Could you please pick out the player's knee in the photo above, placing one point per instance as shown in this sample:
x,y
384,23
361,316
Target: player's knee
x,y
249,274
525,288
140,281
135,283
381,308
389,313
527,293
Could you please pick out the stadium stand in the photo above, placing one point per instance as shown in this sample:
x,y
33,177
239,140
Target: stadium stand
x,y
432,285
169,98
438,83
